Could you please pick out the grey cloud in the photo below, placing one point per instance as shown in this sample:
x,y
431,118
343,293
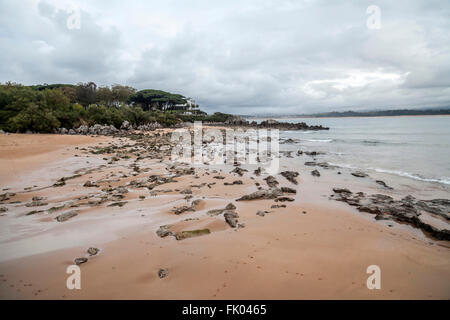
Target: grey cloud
x,y
252,57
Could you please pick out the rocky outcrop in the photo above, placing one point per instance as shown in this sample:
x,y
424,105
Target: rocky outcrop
x,y
273,124
288,190
269,124
262,194
164,231
290,176
271,181
107,130
406,210
231,218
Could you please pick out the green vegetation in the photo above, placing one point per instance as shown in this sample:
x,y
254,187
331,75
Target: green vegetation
x,y
191,233
43,108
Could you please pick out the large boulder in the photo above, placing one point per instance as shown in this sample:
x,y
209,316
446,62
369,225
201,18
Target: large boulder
x,y
125,125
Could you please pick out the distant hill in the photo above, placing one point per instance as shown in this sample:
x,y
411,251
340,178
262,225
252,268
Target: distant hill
x,y
377,113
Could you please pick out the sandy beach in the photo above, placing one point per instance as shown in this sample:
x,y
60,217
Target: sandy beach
x,y
313,248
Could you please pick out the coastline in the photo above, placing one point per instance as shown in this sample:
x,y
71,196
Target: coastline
x,y
357,117
315,248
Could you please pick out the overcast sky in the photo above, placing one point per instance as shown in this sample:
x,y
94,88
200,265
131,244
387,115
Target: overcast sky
x,y
245,57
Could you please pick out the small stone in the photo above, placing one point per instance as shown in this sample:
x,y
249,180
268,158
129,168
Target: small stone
x,y
93,251
79,261
359,174
162,273
315,173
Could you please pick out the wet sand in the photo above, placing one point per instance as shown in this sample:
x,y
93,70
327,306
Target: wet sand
x,y
315,248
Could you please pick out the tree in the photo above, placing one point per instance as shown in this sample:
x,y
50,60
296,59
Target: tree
x,y
151,99
104,95
121,93
86,93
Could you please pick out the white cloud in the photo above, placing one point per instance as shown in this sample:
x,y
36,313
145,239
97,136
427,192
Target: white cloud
x,y
245,57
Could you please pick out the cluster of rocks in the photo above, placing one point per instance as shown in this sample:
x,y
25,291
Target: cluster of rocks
x,y
229,214
406,210
271,124
106,130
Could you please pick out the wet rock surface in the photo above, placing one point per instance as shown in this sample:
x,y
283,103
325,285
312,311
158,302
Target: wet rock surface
x,y
66,216
231,218
191,233
79,261
271,181
359,174
261,194
271,124
315,173
164,231
406,210
290,176
93,251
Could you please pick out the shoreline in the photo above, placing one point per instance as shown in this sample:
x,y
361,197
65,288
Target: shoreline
x,y
307,250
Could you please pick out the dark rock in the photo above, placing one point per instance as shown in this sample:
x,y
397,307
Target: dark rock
x,y
382,217
290,176
359,174
283,199
406,210
162,273
271,181
261,194
36,204
340,190
93,251
117,204
191,233
66,216
230,206
164,231
315,173
276,206
79,261
235,182
288,190
261,213
231,218
89,184
182,209
382,183
239,171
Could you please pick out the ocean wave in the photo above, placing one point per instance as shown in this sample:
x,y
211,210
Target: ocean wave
x,y
318,140
368,142
443,180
